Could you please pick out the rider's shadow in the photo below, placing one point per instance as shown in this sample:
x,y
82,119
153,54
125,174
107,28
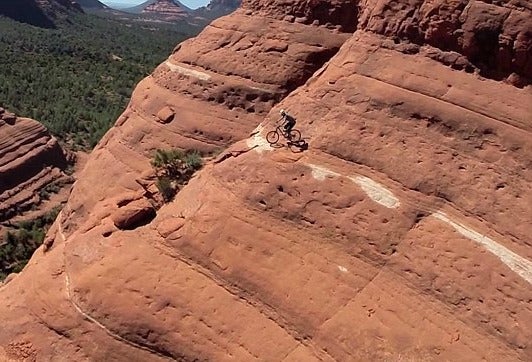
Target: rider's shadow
x,y
294,146
298,146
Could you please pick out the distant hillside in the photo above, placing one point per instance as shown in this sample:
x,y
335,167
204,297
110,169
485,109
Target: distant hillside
x,y
217,8
91,4
42,13
223,5
77,78
175,10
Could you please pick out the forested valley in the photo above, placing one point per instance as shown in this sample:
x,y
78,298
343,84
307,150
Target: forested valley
x,y
78,78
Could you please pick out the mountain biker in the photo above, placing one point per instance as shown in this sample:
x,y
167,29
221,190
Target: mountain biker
x,y
288,120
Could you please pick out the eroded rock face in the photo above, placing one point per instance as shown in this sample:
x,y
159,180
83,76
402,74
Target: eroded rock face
x,y
495,37
30,159
401,233
335,13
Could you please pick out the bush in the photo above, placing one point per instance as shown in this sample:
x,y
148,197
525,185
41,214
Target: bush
x,y
19,245
174,167
51,188
168,162
165,187
44,195
67,77
193,160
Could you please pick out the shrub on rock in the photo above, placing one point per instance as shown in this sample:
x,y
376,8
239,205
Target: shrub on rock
x,y
165,187
174,167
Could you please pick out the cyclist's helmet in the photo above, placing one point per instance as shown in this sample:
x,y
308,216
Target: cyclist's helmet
x,y
283,113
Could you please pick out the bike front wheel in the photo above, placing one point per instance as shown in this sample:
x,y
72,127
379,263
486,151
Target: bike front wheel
x,y
272,137
295,135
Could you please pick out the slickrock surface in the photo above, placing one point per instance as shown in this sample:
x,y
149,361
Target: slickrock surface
x,y
30,159
402,233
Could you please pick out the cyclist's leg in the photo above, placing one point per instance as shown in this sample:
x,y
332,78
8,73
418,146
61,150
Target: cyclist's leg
x,y
285,130
289,127
289,132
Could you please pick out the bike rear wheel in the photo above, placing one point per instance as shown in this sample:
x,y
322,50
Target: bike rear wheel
x,y
295,135
272,137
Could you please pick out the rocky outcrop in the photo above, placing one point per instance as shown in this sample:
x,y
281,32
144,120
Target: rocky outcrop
x,y
209,92
132,215
495,37
30,159
332,13
167,9
401,233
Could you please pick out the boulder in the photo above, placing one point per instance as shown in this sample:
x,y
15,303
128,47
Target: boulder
x,y
166,115
133,214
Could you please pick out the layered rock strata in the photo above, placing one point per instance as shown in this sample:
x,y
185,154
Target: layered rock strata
x,y
30,159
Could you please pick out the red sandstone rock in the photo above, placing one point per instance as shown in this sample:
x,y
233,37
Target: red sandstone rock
x,y
166,115
9,118
341,13
496,37
30,159
401,233
133,214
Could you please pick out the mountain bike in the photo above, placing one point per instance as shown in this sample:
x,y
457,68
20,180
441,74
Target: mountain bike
x,y
273,136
